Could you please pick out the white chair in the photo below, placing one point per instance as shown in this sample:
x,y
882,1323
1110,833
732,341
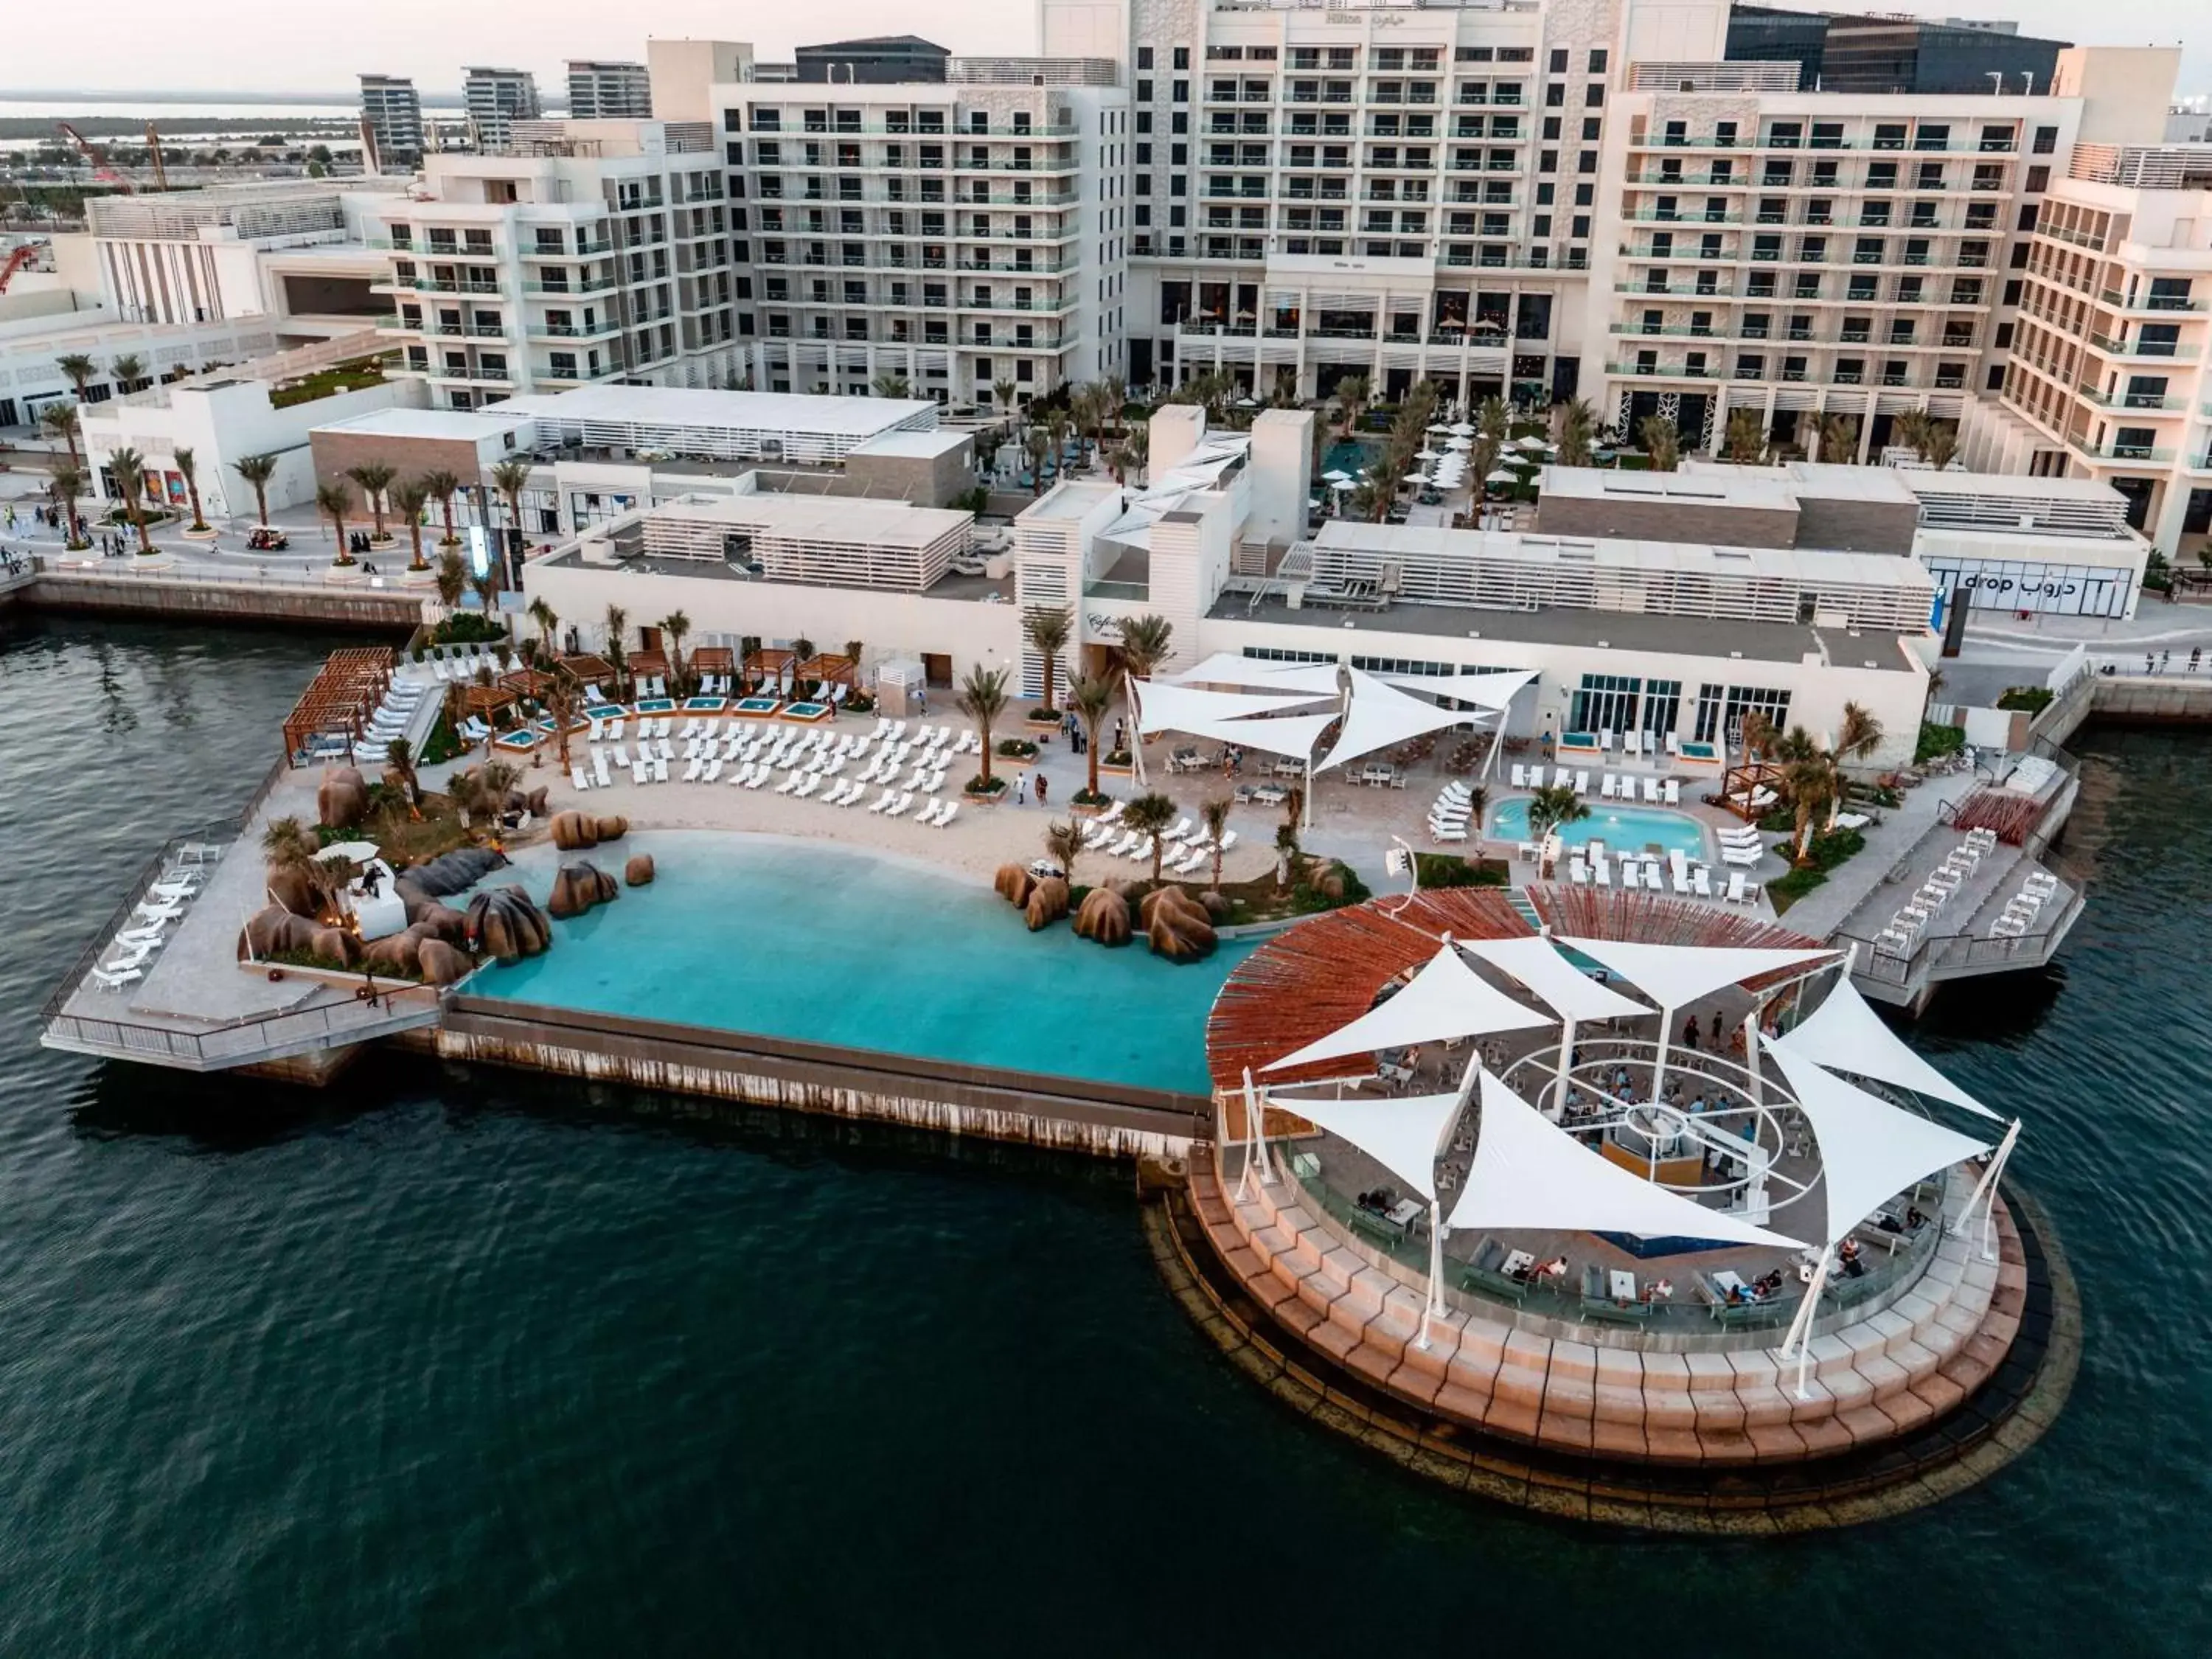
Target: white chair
x,y
1602,868
897,808
1520,776
1734,894
1701,881
945,814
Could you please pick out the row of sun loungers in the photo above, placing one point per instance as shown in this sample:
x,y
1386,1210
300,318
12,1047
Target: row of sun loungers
x,y
2021,910
1451,812
1613,785
814,762
135,943
1943,883
1592,866
1194,848
391,721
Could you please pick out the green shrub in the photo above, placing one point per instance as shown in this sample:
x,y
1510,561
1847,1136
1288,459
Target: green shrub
x,y
1937,740
1115,758
2032,698
467,627
1084,797
975,786
1449,870
1016,749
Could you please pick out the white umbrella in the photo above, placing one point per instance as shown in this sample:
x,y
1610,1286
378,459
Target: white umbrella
x,y
1427,454
1439,426
1336,477
1246,403
1341,484
1460,445
1502,476
1522,460
1531,442
1461,429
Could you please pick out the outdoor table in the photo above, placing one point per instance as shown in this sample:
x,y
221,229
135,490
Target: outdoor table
x,y
1728,1279
1623,1285
1403,1213
1517,1264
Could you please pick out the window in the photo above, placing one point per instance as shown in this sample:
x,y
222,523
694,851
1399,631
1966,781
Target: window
x,y
1144,92
1559,60
1592,126
1555,96
1598,60
2038,180
1182,92
2046,140
1144,58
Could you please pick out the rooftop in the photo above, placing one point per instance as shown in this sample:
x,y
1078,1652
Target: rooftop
x,y
1744,487
1825,481
915,445
467,426
765,411
1618,630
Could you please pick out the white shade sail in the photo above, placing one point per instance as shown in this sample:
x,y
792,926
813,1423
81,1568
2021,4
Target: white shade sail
x,y
1675,976
1846,1035
1403,1135
1869,1150
1164,708
1446,999
1253,675
1291,736
1380,715
1561,986
1484,688
1527,1172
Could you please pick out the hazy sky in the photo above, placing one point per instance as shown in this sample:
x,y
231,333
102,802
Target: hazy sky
x,y
258,45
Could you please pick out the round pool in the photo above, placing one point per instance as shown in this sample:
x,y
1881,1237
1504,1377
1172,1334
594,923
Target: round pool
x,y
1631,828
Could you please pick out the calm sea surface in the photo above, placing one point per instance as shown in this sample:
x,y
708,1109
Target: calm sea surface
x,y
441,1361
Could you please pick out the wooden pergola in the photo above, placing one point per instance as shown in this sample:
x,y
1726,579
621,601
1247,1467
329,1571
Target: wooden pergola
x,y
338,701
589,669
715,659
766,664
1740,783
486,699
831,668
643,662
527,681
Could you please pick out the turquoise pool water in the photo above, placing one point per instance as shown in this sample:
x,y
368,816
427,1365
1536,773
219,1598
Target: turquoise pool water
x,y
1631,827
828,946
1349,455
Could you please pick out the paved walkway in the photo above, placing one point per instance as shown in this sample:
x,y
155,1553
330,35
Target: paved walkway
x,y
1827,907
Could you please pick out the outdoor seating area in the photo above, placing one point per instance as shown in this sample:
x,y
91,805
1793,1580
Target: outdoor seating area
x,y
909,767
331,714
1917,916
2040,888
133,946
1185,849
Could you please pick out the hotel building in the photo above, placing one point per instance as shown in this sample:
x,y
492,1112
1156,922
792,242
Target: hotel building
x,y
497,100
605,91
391,122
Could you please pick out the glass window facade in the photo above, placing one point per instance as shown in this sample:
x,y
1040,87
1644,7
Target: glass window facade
x,y
2060,590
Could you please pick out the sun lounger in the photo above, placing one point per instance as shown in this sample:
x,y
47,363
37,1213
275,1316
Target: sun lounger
x,y
1736,892
1228,839
667,749
883,801
660,770
1520,776
1701,881
789,783
713,770
1610,789
1582,783
1560,776
115,979
1650,792
1651,881
577,776
1601,870
691,769
1672,791
1181,829
1447,833
162,912
1111,813
945,814
1746,857
897,808
1578,872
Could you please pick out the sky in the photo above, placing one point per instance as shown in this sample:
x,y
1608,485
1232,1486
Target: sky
x,y
279,46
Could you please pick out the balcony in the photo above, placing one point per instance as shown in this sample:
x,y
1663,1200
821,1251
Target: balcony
x,y
2165,350
1666,371
2119,301
581,285
2149,402
2147,454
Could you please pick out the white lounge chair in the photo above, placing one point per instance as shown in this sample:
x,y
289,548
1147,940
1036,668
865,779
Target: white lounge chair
x,y
114,979
945,814
1559,777
1701,881
1742,857
1181,829
1610,789
1582,783
1602,869
883,802
1672,792
1578,872
897,808
577,776
713,770
1735,887
1228,839
1520,776
790,783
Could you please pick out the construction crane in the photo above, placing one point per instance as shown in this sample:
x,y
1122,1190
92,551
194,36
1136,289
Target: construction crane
x,y
21,257
100,171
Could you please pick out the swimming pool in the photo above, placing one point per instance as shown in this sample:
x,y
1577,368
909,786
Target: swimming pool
x,y
833,947
1631,827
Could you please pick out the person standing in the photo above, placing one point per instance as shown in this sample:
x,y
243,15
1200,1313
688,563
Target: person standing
x,y
1041,788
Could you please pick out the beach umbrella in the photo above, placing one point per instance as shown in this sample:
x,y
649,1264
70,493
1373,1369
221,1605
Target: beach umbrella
x,y
1460,446
1461,429
1502,476
1416,477
1533,442
1427,454
1341,485
1334,476
1439,426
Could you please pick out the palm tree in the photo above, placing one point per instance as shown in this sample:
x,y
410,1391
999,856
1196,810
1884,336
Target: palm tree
x,y
1148,815
1091,695
1662,442
333,499
288,845
1577,432
127,369
128,468
1352,397
1214,815
1038,443
676,625
409,497
1130,453
1943,446
1144,644
1551,808
443,487
618,654
983,699
892,385
486,588
853,650
1005,392
453,578
60,420
1860,735
1840,438
80,369
510,477
1758,734
802,651
1048,627
257,470
545,620
1810,778
400,755
1745,439
1062,842
1912,429
564,695
374,477
188,468
64,486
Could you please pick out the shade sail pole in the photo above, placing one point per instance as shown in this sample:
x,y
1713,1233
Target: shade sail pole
x,y
1566,1056
1433,1306
1750,1056
1800,1328
1244,1178
1659,1065
1986,1191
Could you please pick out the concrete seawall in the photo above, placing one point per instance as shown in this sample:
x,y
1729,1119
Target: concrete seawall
x,y
1104,1120
170,596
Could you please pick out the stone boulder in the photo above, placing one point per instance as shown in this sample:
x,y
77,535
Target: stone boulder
x,y
342,798
1105,916
440,963
1013,883
574,832
613,827
276,930
534,802
293,888
451,873
507,924
395,953
1217,905
1047,902
436,920
1177,925
1174,898
577,888
336,944
638,873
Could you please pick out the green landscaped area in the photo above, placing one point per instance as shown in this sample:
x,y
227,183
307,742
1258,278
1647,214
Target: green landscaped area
x,y
354,376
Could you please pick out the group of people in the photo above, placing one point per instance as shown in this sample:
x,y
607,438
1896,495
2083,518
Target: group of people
x,y
1071,728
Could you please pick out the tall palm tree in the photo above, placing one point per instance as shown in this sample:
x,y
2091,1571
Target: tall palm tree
x,y
1744,441
892,385
510,479
1810,778
853,650
1662,442
61,421
257,470
802,652
80,369
1286,853
1859,736
1062,843
443,487
983,698
1048,628
333,499
400,755
1758,734
1148,815
1912,429
1091,695
618,654
128,369
1146,641
453,578
1942,444
1352,398
545,620
288,845
1214,815
63,485
1038,443
374,477
1552,807
564,695
188,468
1129,454
1577,432
409,497
1005,392
128,467
1840,438
676,625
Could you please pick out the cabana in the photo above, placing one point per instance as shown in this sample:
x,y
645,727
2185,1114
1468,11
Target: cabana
x,y
338,701
829,667
765,668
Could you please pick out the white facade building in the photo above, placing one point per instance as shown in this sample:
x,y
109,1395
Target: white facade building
x,y
496,99
391,112
601,90
595,251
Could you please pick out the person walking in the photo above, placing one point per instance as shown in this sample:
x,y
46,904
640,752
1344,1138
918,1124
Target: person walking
x,y
1041,788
